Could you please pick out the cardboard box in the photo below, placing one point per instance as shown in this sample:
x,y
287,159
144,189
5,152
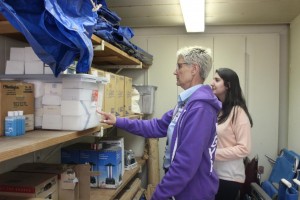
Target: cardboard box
x,y
70,154
17,53
119,97
127,95
30,55
34,67
110,167
109,94
29,185
14,67
108,142
15,96
53,122
72,179
2,197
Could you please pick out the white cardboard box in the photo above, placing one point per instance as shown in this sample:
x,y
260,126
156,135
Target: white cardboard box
x,y
52,122
54,100
17,54
53,88
34,67
14,67
30,55
47,69
51,110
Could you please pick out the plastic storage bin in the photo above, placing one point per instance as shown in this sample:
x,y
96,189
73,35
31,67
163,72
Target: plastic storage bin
x,y
147,98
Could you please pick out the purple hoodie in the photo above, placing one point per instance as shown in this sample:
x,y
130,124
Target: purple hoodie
x,y
191,175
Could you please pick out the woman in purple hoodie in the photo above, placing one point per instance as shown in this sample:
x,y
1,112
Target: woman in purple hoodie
x,y
190,129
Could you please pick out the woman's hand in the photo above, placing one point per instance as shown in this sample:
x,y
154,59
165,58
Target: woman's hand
x,y
108,118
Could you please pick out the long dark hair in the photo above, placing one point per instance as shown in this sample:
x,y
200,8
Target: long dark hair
x,y
234,95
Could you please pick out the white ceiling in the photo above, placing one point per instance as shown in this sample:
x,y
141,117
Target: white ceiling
x,y
153,13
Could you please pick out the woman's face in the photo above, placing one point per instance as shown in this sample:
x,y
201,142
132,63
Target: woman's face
x,y
218,87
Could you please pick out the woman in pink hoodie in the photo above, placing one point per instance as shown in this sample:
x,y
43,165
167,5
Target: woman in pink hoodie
x,y
234,134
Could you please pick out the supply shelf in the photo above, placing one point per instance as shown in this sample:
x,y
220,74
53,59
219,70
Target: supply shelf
x,y
12,147
106,56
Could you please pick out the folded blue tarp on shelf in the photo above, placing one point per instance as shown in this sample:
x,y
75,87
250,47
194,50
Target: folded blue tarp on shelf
x,y
58,31
108,28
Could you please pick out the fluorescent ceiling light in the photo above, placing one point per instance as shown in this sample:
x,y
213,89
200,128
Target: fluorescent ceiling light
x,y
193,15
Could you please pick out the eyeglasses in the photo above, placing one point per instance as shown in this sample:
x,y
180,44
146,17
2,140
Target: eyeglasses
x,y
179,65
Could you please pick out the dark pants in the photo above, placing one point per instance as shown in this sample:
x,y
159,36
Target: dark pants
x,y
228,190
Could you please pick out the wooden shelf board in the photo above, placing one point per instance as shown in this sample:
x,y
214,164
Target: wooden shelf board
x,y
100,57
110,194
11,147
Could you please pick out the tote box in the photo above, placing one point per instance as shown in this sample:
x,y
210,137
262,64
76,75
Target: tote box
x,y
29,185
16,95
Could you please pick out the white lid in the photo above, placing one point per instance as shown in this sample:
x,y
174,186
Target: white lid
x,y
20,112
16,113
10,113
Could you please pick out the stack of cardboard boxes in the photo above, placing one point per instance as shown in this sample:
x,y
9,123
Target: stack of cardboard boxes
x,y
117,93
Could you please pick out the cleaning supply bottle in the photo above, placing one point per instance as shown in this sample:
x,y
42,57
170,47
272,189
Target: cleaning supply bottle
x,y
22,121
10,124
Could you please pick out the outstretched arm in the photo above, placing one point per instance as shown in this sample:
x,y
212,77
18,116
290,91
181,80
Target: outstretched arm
x,y
108,118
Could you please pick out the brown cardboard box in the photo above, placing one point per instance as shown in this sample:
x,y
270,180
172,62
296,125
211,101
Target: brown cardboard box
x,y
127,95
15,95
119,98
109,93
68,188
27,184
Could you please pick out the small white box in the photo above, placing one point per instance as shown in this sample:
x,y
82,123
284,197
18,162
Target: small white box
x,y
30,55
79,94
34,67
14,67
47,70
53,88
17,54
82,122
38,121
75,108
51,110
53,100
38,102
29,122
39,87
52,122
38,112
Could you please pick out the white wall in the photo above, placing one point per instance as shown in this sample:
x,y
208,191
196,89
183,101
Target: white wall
x,y
294,90
257,53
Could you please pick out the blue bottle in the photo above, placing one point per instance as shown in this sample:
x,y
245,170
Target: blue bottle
x,y
10,124
22,122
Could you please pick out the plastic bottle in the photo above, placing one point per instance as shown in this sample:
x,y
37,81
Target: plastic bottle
x,y
10,124
18,124
22,122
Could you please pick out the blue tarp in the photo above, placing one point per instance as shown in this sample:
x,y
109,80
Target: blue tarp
x,y
58,30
